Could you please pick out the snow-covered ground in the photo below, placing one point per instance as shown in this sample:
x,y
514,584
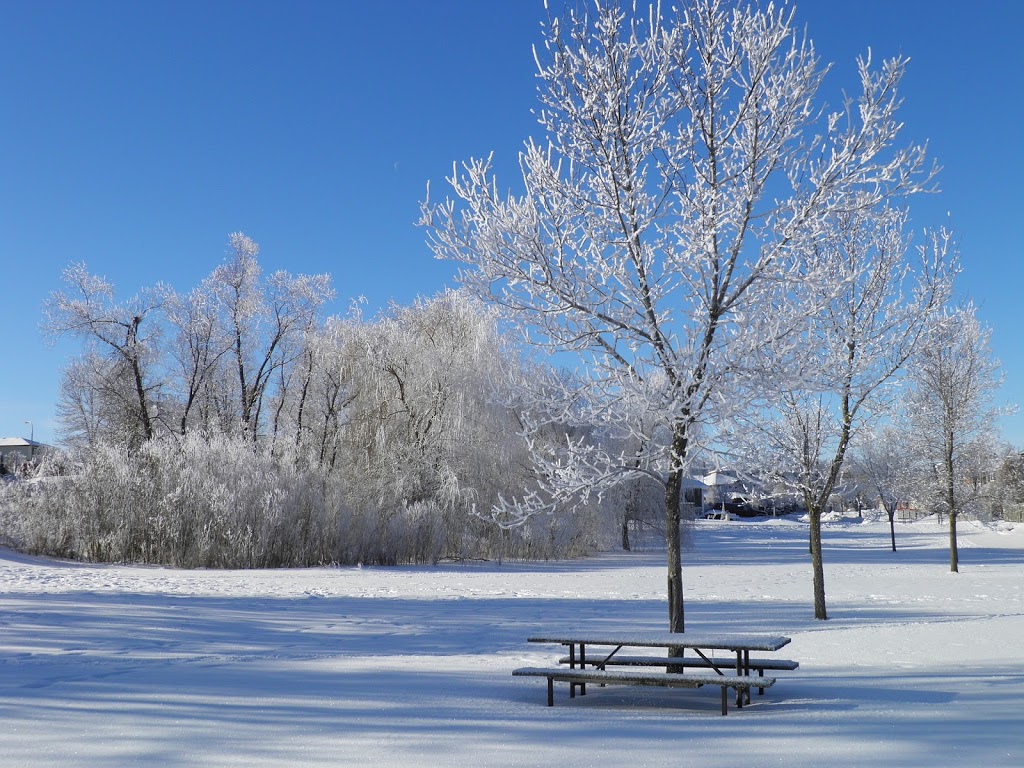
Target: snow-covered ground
x,y
138,666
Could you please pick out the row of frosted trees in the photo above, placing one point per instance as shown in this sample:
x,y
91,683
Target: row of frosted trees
x,y
235,426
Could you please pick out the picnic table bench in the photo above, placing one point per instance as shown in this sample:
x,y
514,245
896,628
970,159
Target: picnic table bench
x,y
681,662
582,670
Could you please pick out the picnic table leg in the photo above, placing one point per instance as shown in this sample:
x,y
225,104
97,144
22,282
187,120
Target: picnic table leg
x,y
583,665
725,700
572,665
746,671
739,672
551,691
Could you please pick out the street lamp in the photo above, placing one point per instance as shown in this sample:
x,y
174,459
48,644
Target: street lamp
x,y
31,440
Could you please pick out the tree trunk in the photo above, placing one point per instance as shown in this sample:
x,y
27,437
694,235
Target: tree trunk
x,y
132,351
673,517
954,556
675,559
817,565
140,391
890,510
625,533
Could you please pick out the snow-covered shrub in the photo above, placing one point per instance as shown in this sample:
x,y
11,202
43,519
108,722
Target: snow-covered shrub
x,y
193,501
222,501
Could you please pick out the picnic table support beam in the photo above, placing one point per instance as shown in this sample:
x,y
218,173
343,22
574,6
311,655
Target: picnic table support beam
x,y
603,664
710,663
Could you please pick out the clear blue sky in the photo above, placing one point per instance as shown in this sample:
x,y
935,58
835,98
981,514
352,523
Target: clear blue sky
x,y
136,135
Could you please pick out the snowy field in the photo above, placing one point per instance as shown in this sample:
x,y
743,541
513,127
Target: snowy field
x,y
138,666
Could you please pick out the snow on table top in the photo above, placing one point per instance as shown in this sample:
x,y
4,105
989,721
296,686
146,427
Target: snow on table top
x,y
729,641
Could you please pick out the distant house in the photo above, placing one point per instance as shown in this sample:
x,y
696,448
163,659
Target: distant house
x,y
722,486
15,451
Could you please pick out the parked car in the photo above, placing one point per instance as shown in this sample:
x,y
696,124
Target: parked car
x,y
735,508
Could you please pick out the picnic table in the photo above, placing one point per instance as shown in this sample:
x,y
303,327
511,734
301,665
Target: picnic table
x,y
732,670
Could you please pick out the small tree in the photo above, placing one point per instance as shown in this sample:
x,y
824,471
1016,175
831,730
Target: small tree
x,y
884,460
863,323
1011,482
955,378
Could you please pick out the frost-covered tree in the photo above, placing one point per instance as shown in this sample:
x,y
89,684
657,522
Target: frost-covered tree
x,y
92,403
208,359
125,334
951,405
264,321
863,322
316,410
199,343
426,423
884,460
1010,477
688,169
984,492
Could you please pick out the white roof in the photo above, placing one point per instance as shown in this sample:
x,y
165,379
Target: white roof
x,y
19,442
719,478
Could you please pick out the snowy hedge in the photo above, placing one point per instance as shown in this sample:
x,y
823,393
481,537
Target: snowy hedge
x,y
220,502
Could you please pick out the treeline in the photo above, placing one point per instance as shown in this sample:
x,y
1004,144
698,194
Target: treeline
x,y
235,426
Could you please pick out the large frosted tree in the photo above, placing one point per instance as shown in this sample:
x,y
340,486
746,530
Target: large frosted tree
x,y
688,168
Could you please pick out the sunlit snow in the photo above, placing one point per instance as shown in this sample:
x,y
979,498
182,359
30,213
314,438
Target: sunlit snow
x,y
128,666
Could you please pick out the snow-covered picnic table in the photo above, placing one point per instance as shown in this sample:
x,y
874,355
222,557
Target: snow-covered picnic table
x,y
705,645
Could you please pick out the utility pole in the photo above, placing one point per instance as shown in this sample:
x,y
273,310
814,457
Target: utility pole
x,y
32,441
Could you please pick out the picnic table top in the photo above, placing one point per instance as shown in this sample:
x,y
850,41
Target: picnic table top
x,y
728,641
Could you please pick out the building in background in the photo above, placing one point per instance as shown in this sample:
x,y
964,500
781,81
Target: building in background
x,y
16,452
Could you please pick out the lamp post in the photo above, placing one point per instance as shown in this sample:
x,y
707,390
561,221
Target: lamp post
x,y
31,440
